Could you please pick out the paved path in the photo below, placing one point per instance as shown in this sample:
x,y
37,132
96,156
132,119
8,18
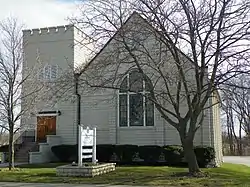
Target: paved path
x,y
245,160
9,184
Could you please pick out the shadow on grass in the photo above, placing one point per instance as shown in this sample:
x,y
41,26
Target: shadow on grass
x,y
187,174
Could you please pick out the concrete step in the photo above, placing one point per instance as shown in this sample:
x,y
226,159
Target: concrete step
x,y
23,150
22,159
22,155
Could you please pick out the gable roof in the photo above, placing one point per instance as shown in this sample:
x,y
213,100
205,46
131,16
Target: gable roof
x,y
116,33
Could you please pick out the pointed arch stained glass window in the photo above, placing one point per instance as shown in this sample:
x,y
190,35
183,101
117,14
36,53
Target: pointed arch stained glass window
x,y
135,106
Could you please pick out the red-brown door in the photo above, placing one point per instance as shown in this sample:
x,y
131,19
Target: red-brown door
x,y
46,125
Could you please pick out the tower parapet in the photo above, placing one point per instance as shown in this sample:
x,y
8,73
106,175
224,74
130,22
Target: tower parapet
x,y
56,33
47,30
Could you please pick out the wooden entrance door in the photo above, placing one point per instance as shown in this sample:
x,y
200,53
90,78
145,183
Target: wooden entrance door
x,y
46,125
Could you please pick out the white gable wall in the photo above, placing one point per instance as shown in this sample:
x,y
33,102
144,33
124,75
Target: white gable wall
x,y
105,114
102,112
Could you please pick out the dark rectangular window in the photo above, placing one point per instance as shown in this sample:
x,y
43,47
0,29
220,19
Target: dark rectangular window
x,y
123,113
149,112
136,110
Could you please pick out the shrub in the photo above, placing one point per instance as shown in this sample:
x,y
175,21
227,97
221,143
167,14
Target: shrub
x,y
126,153
74,153
64,152
204,155
150,153
174,154
104,152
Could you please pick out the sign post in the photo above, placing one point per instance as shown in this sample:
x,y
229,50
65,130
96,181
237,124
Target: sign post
x,y
87,144
80,147
94,147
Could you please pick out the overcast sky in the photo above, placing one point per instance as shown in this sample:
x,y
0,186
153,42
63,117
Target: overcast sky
x,y
38,13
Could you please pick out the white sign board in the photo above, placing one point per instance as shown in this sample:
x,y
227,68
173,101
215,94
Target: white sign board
x,y
87,144
87,137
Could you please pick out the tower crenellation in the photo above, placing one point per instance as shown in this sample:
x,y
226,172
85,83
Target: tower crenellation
x,y
47,30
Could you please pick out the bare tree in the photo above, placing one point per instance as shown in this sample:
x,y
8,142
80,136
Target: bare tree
x,y
13,75
236,107
230,127
182,49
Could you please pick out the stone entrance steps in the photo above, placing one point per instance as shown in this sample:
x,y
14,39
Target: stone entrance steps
x,y
22,155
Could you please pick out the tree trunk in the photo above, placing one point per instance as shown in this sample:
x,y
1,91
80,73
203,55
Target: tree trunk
x,y
190,156
11,151
240,139
231,142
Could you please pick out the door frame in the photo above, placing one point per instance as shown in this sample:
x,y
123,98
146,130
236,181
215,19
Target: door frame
x,y
43,115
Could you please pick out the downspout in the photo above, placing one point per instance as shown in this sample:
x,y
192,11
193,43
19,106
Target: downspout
x,y
164,125
201,123
78,108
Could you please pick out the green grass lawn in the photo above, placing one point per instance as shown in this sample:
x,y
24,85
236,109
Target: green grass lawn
x,y
228,175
